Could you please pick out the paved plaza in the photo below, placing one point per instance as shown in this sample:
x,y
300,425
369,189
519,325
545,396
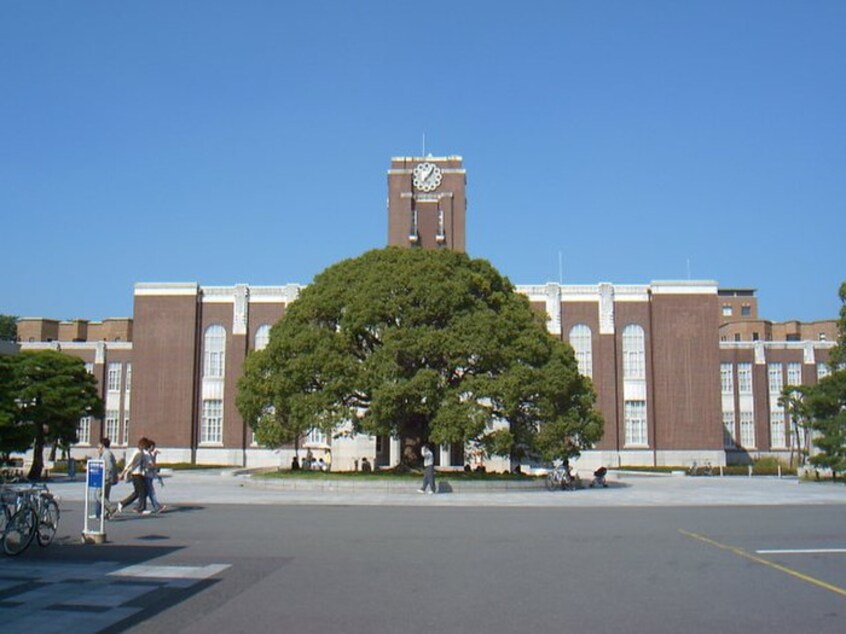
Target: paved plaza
x,y
648,554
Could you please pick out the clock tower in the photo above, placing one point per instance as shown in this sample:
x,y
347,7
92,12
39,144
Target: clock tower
x,y
427,204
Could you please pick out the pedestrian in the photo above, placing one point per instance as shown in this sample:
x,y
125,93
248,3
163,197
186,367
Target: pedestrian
x,y
295,464
110,473
151,473
428,470
365,465
134,469
327,460
308,465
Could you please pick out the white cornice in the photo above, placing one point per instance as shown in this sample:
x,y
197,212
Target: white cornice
x,y
683,287
166,288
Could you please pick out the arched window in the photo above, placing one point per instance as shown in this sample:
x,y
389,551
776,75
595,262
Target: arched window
x,y
262,336
580,339
214,351
634,352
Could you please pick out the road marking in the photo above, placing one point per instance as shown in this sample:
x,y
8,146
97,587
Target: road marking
x,y
170,572
789,571
802,551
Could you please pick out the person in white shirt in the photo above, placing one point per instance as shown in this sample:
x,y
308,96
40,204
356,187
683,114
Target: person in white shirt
x,y
428,470
136,469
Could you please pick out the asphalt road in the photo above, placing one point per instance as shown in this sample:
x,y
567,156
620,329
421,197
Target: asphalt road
x,y
430,568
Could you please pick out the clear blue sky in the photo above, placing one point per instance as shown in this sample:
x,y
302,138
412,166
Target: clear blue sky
x,y
248,141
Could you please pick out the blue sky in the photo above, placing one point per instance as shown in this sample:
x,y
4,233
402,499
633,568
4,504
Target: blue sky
x,y
248,141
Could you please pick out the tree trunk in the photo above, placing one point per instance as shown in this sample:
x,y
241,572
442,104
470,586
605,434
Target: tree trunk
x,y
35,471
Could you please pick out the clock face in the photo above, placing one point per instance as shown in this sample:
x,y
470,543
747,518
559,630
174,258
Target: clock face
x,y
427,177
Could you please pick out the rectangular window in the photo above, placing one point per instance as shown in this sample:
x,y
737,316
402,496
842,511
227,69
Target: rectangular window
x,y
777,437
128,382
113,377
126,429
794,374
316,437
775,377
822,370
727,378
635,420
726,310
211,428
113,425
746,310
728,430
83,432
744,378
747,430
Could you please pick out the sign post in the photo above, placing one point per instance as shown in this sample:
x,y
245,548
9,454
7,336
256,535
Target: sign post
x,y
95,508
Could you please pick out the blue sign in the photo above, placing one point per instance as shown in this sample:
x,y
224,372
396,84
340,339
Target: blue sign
x,y
95,474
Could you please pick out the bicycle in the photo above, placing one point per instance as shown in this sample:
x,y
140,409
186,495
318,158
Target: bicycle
x,y
560,478
697,469
36,516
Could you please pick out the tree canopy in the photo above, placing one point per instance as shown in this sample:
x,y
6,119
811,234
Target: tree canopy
x,y
43,396
426,345
8,328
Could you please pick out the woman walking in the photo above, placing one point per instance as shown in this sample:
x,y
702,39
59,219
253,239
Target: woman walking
x,y
135,468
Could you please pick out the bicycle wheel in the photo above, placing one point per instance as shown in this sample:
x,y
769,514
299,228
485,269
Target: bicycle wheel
x,y
551,483
19,532
48,522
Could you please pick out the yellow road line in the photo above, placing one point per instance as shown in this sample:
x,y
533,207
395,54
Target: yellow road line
x,y
789,571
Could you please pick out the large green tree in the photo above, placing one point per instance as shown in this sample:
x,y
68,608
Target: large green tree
x,y
825,404
45,394
425,345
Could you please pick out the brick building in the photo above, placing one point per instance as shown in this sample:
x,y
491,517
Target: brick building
x,y
684,371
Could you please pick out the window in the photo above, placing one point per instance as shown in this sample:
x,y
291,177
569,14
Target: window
x,y
777,437
776,378
755,336
822,336
126,428
211,427
214,351
128,383
727,311
113,377
316,437
634,356
737,336
635,420
794,374
113,425
822,370
793,336
262,337
89,367
580,339
727,378
747,429
83,432
728,430
744,378
746,310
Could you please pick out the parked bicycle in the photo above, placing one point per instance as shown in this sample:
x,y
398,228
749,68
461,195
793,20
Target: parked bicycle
x,y
561,478
29,514
704,469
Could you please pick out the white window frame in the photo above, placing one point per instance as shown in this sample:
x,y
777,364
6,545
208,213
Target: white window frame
x,y
262,337
823,370
214,352
111,427
634,414
127,384
778,435
581,340
211,425
634,352
83,431
794,373
113,376
775,377
729,432
126,428
727,378
747,429
744,378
